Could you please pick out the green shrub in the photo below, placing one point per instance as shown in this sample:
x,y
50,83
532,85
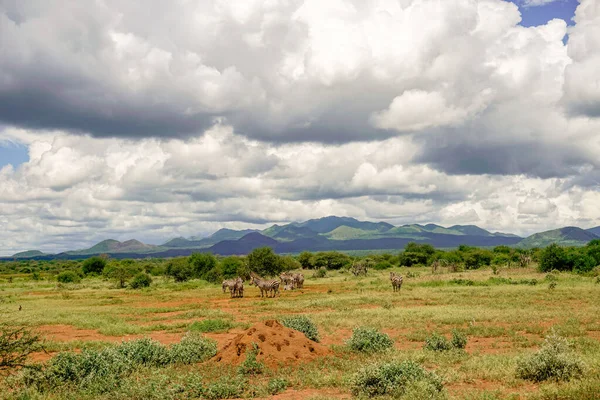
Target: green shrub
x,y
211,325
141,280
396,379
369,340
320,273
459,339
552,285
276,385
437,342
303,324
145,351
16,344
381,265
68,277
179,269
554,361
251,366
192,348
93,265
225,388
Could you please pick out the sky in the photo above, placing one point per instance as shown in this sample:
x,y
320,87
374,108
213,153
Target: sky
x,y
122,120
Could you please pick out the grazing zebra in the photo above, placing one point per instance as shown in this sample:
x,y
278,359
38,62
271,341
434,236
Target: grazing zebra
x,y
239,287
396,281
265,285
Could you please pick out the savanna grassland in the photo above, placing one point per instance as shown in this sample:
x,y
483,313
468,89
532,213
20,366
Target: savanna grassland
x,y
505,315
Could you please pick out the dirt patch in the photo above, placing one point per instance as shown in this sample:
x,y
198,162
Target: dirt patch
x,y
68,333
307,394
485,345
276,343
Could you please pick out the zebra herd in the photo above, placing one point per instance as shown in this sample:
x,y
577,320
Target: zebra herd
x,y
290,281
267,286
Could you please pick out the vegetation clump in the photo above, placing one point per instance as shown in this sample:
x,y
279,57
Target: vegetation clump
x,y
554,361
68,277
251,366
211,325
140,281
16,344
437,342
396,379
369,340
303,324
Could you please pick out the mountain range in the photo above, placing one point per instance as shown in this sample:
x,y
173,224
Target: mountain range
x,y
324,234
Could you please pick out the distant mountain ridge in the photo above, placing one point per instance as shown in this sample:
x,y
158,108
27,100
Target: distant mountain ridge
x,y
324,234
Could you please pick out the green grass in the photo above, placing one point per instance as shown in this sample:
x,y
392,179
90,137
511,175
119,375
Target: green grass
x,y
505,318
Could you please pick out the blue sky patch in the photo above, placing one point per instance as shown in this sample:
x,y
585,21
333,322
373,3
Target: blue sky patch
x,y
14,154
540,15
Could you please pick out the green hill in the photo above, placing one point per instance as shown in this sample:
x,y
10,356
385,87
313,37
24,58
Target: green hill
x,y
567,236
114,246
29,253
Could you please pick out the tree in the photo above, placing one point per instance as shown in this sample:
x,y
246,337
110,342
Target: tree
x,y
332,260
306,260
201,263
230,266
120,272
264,261
180,269
553,257
93,265
141,280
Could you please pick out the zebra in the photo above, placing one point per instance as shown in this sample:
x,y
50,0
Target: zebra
x,y
229,284
239,287
298,280
265,285
396,281
287,280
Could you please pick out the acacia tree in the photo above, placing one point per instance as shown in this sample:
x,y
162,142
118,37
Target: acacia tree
x,y
16,344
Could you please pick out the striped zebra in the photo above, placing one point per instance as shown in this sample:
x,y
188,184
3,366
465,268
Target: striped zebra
x,y
287,280
265,285
229,284
239,287
298,280
396,281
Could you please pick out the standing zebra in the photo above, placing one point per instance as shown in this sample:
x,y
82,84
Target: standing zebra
x,y
396,281
287,280
229,284
298,280
239,287
265,285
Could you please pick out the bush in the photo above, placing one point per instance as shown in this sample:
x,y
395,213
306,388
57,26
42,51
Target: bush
x,y
320,273
437,342
381,265
554,257
179,269
68,277
141,280
459,339
16,344
397,379
100,371
192,348
264,262
211,325
250,366
202,263
303,324
554,361
369,340
94,265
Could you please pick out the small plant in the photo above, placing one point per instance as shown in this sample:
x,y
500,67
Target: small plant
x,y
437,342
459,339
495,270
68,277
303,324
320,273
598,280
35,276
369,340
411,274
276,385
141,280
251,366
225,388
554,361
211,325
395,380
552,285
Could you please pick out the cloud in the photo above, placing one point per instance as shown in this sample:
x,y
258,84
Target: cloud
x,y
538,3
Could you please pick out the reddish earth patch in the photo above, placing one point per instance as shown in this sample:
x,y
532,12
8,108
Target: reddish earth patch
x,y
307,394
276,343
68,333
481,385
488,345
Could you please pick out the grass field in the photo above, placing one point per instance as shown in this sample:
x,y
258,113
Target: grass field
x,y
505,317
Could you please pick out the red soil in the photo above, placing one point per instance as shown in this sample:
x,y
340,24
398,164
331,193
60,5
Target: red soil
x,y
276,343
